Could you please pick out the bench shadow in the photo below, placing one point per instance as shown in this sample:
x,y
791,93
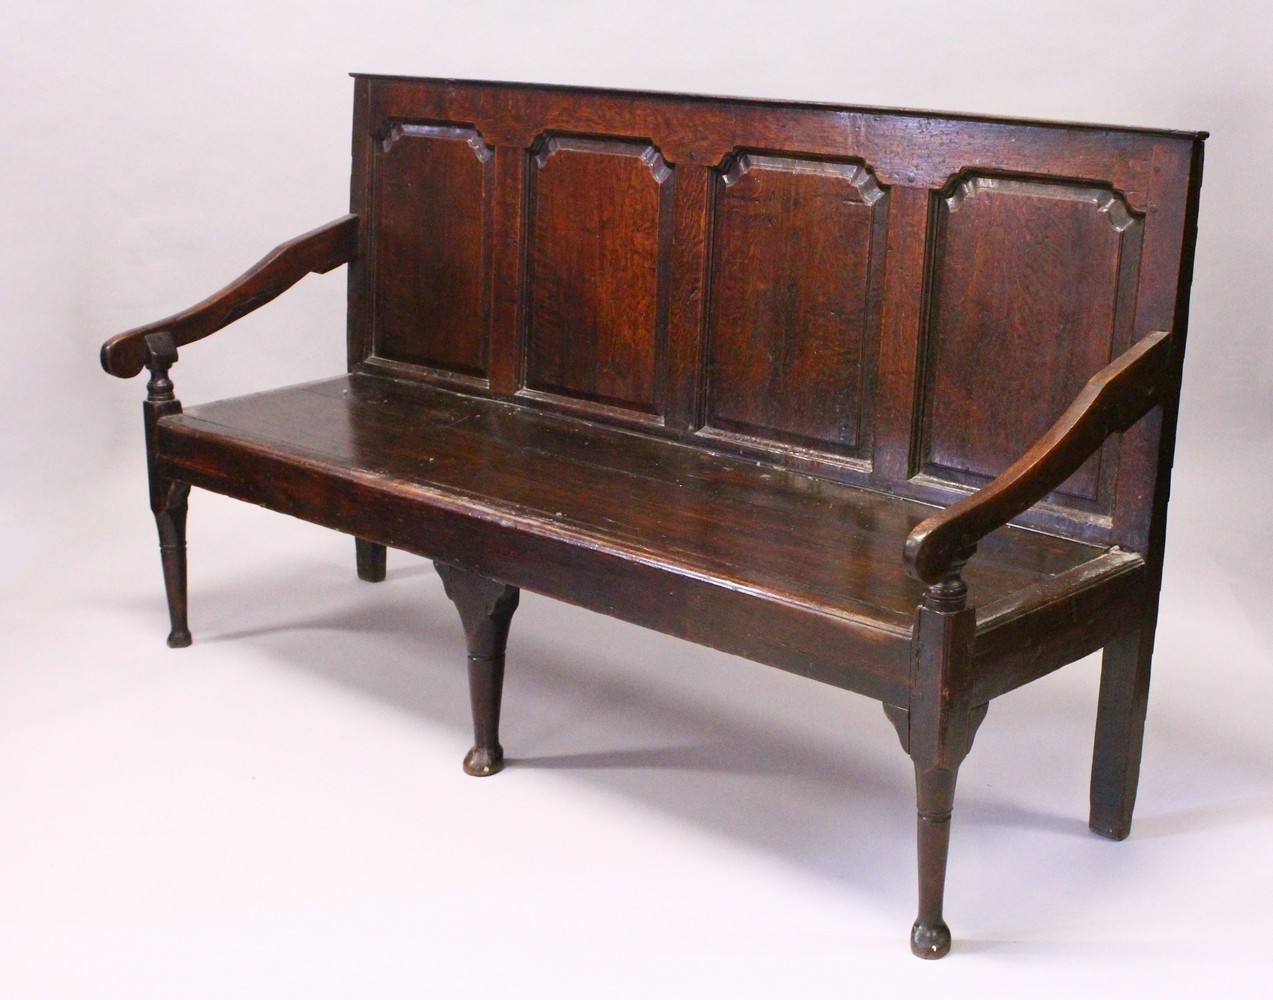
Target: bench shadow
x,y
805,773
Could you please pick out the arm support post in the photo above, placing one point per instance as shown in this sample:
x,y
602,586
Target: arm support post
x,y
1113,399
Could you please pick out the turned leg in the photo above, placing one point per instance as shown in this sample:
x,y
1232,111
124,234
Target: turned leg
x,y
1120,732
935,799
486,611
938,733
371,560
171,521
168,500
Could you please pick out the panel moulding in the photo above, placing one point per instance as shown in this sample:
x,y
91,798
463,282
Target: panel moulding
x,y
1109,203
738,165
466,133
546,146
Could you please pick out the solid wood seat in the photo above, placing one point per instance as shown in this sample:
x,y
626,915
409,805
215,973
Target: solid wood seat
x,y
828,548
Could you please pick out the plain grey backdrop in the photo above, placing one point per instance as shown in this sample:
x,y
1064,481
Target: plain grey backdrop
x,y
280,811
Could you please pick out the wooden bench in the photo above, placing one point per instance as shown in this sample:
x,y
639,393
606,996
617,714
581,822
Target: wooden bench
x,y
761,375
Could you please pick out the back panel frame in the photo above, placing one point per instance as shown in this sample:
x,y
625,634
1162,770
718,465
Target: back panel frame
x,y
839,290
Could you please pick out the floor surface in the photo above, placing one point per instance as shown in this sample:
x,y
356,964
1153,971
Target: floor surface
x,y
279,810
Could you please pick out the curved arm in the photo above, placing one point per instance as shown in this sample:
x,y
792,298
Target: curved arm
x,y
317,251
1114,398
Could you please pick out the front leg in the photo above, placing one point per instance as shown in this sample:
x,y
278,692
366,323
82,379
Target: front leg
x,y
170,519
935,801
486,611
941,725
168,499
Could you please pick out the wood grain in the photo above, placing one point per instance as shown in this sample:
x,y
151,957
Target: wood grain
x,y
1113,399
596,323
1029,298
794,306
433,188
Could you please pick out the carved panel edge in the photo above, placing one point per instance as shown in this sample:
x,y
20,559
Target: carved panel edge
x,y
395,130
1108,201
859,175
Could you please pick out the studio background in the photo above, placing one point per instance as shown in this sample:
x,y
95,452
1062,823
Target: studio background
x,y
280,810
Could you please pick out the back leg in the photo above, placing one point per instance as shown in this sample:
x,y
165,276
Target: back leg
x,y
371,560
1120,732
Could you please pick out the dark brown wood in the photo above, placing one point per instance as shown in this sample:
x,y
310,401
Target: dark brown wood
x,y
687,297
171,522
1078,610
486,612
1112,401
901,323
941,729
371,560
508,214
792,342
828,548
434,186
358,339
1012,257
708,365
169,498
1071,179
1120,732
600,220
318,251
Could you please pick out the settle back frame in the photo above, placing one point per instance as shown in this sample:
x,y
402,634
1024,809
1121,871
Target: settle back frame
x,y
940,287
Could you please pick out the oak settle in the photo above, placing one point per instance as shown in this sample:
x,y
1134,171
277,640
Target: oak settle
x,y
884,398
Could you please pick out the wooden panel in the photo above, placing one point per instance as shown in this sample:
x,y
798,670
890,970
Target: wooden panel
x,y
794,306
600,222
1030,295
912,157
362,157
433,186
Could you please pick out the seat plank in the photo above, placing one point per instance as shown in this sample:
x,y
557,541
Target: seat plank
x,y
830,548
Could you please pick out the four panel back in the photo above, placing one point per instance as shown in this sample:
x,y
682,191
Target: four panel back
x,y
898,300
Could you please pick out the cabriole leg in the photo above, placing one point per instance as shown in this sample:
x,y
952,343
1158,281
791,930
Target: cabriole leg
x,y
371,560
1120,732
171,521
486,611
